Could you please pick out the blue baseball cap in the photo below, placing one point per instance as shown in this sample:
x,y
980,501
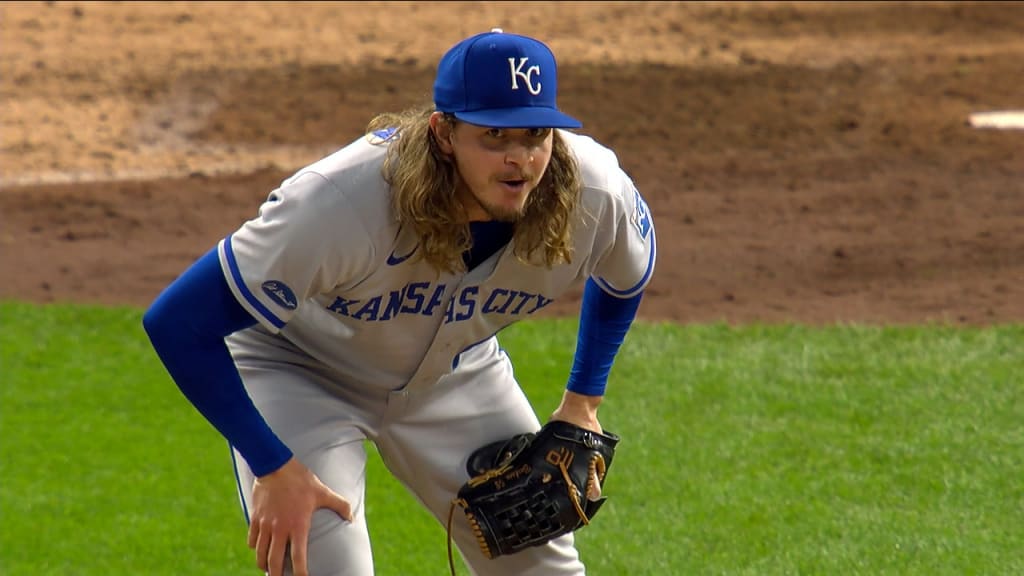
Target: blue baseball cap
x,y
501,81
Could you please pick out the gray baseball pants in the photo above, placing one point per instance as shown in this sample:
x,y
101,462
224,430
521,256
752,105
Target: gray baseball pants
x,y
423,436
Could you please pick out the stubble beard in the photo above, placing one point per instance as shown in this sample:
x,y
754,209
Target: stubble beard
x,y
502,214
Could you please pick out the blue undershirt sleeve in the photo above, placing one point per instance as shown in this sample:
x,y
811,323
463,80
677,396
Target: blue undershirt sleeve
x,y
187,324
604,321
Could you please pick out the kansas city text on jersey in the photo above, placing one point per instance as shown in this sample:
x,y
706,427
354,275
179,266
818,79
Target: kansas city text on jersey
x,y
424,298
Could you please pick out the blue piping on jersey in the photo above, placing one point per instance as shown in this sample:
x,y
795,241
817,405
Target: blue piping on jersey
x,y
632,291
236,274
238,482
455,361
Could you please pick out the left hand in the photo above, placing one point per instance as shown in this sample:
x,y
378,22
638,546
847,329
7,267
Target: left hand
x,y
581,410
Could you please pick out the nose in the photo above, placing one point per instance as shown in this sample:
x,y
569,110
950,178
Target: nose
x,y
518,155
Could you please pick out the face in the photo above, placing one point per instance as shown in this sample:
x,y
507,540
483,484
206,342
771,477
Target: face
x,y
499,167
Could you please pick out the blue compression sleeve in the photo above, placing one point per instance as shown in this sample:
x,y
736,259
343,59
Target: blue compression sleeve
x,y
187,324
604,321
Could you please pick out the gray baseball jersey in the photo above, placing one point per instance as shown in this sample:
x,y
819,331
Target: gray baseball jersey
x,y
380,346
326,264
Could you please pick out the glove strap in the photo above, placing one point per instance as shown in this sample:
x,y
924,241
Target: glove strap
x,y
574,493
481,541
451,513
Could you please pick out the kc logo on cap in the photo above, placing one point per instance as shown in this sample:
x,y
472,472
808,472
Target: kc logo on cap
x,y
501,80
526,76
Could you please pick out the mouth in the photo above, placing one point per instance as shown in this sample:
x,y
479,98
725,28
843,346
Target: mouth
x,y
516,184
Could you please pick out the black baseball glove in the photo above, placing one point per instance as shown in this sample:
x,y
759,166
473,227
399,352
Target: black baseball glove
x,y
532,488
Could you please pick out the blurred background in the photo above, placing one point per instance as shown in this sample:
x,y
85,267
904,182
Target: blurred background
x,y
826,375
804,161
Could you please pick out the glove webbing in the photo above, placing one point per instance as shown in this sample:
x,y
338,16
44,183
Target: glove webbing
x,y
596,465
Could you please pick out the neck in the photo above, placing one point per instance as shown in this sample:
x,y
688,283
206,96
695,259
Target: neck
x,y
474,211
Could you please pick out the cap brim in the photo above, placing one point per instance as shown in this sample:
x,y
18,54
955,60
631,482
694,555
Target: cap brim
x,y
525,117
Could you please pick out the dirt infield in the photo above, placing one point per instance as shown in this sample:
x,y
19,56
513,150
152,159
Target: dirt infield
x,y
804,162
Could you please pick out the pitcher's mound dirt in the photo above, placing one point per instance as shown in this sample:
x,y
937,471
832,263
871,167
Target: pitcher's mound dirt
x,y
804,162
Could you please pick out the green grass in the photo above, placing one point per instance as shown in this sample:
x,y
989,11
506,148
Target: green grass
x,y
746,451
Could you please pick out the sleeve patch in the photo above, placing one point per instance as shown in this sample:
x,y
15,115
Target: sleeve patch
x,y
281,294
641,217
379,137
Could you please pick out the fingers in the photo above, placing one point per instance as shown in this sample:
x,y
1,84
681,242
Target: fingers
x,y
338,504
297,543
276,554
254,532
298,551
261,543
273,548
284,502
274,545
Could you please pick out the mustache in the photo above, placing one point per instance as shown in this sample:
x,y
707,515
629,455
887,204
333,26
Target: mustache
x,y
515,176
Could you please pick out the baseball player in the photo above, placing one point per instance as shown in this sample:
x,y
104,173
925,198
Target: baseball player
x,y
363,300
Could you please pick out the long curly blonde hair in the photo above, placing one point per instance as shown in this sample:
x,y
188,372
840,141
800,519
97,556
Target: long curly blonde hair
x,y
423,180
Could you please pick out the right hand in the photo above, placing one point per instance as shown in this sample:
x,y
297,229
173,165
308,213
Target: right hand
x,y
282,510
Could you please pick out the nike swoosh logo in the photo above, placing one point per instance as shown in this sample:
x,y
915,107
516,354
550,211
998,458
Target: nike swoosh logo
x,y
396,260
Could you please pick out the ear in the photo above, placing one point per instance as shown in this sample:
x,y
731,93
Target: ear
x,y
442,132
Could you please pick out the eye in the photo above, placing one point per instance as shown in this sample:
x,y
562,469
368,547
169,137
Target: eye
x,y
537,133
496,133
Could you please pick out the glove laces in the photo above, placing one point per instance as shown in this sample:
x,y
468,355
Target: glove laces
x,y
596,465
